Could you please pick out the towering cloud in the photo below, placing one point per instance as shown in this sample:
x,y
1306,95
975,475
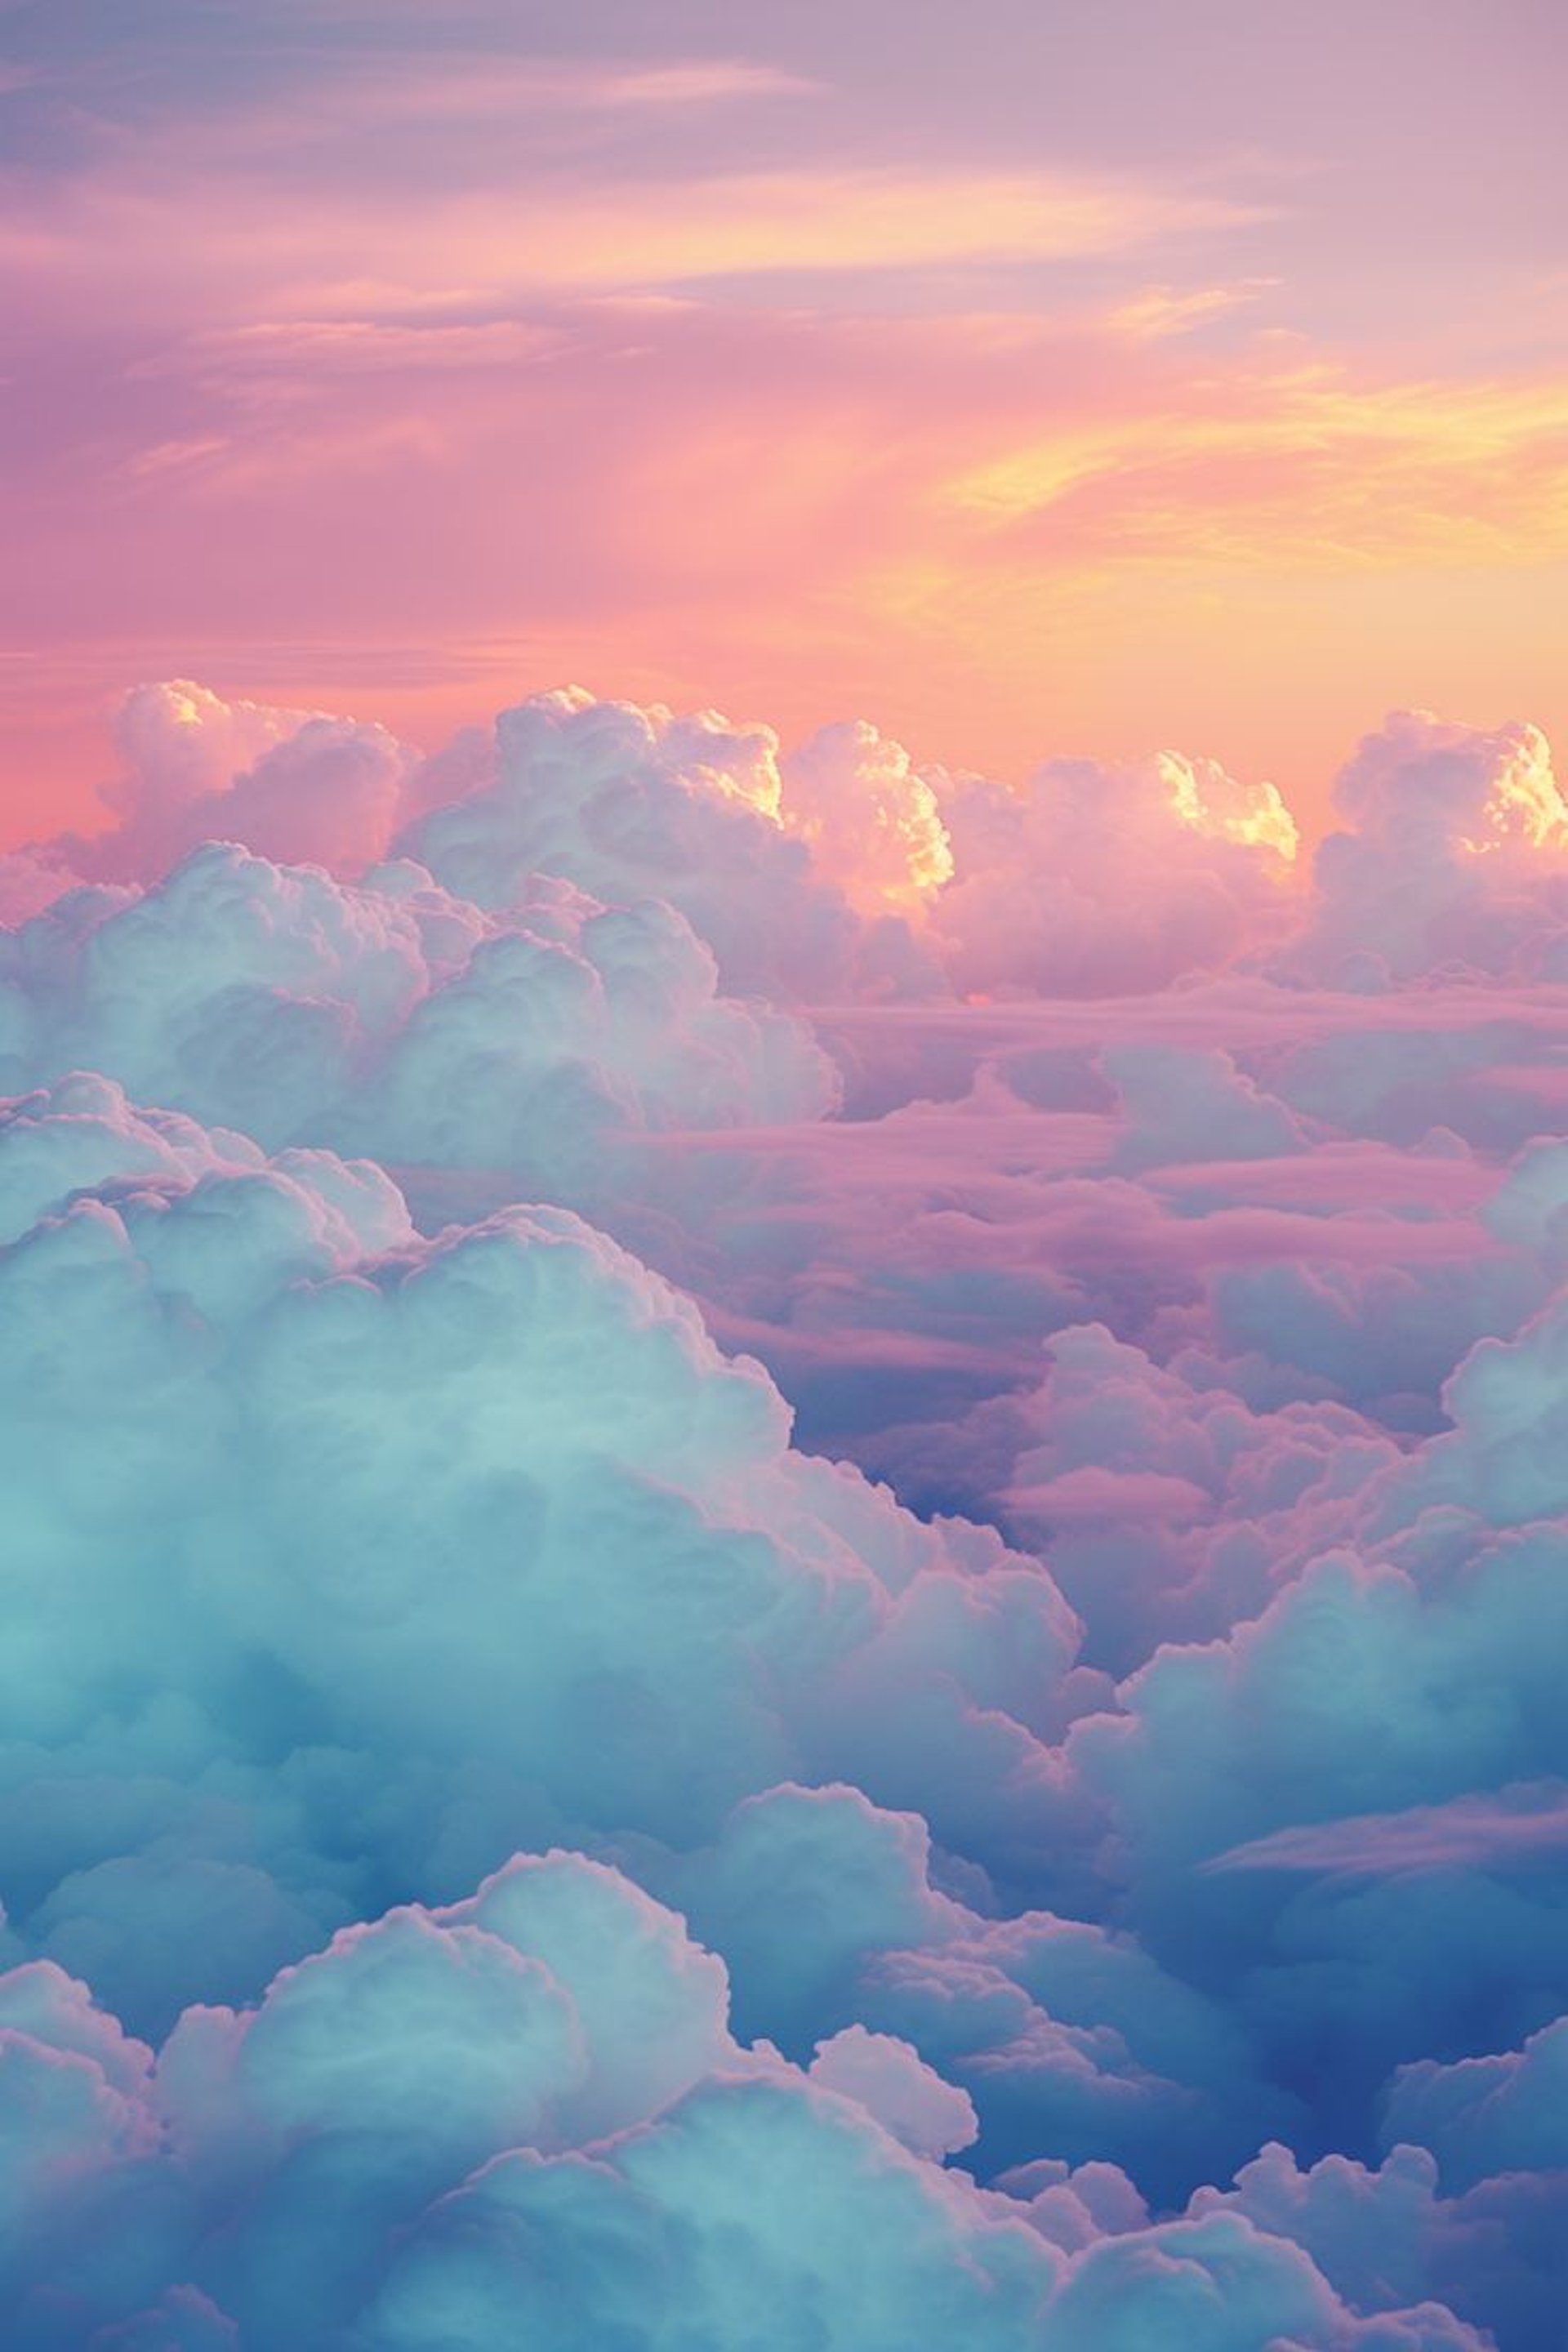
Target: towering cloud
x,y
628,803
1455,852
1100,881
291,784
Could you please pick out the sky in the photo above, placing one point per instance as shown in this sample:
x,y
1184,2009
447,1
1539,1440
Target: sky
x,y
1030,379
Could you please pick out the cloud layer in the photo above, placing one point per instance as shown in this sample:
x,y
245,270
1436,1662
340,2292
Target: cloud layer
x,y
785,1546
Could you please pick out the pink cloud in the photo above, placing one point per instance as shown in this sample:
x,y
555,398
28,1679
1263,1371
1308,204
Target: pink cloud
x,y
1093,1492
1505,1830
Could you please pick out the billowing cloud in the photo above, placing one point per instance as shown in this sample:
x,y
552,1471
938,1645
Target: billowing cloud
x,y
1103,882
1454,852
476,1229
870,818
525,1049
841,868
431,1549
299,787
628,802
430,2127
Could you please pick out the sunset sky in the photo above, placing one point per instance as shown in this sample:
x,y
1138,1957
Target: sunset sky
x,y
1030,378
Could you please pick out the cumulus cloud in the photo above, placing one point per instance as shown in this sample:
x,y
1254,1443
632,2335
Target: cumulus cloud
x,y
487,1521
1482,2116
461,1229
425,2133
628,803
870,819
890,2080
291,785
391,1019
1102,881
1166,1503
1454,852
841,866
31,880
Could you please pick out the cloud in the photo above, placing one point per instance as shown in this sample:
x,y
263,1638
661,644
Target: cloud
x,y
30,881
416,91
625,802
1482,2116
1455,852
1514,1827
386,2145
384,1019
868,817
888,2079
1098,882
901,1908
288,784
1293,454
434,1569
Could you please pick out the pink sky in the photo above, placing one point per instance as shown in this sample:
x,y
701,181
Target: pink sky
x,y
1029,378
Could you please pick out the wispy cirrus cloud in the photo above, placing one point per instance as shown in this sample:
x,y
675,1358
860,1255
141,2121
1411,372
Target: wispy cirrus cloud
x,y
1266,457
155,235
1155,311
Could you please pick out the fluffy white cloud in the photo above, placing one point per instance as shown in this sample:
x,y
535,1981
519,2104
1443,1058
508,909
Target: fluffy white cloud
x,y
891,2082
524,1050
455,1539
377,1528
632,804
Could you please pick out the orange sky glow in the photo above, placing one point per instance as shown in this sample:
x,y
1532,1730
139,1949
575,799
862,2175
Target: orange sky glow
x,y
404,373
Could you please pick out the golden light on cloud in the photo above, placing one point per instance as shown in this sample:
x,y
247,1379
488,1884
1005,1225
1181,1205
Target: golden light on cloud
x,y
1303,466
779,222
